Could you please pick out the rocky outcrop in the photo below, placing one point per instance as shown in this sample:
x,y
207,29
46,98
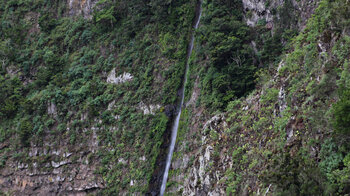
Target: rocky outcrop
x,y
51,109
125,77
270,11
81,7
256,10
201,176
148,109
203,179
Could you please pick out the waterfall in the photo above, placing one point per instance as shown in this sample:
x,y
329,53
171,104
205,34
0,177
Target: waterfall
x,y
175,126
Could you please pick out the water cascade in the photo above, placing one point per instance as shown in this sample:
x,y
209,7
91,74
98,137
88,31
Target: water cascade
x,y
175,126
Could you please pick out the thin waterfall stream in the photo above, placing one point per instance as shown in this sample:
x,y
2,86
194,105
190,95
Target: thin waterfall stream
x,y
175,126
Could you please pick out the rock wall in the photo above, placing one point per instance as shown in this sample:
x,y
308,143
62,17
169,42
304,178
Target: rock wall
x,y
58,167
270,11
201,167
53,169
120,79
81,7
203,179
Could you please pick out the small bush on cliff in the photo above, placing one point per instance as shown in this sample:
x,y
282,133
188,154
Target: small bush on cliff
x,y
24,131
10,96
46,22
342,113
341,109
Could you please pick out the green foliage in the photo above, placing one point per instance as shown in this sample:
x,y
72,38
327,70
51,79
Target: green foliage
x,y
330,156
233,178
10,97
272,48
24,130
294,176
66,61
225,40
105,18
341,109
335,166
299,173
270,96
47,22
64,64
280,123
342,113
166,41
159,126
342,176
233,182
344,81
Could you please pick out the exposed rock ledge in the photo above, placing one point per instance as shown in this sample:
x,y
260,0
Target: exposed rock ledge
x,y
125,77
148,109
81,7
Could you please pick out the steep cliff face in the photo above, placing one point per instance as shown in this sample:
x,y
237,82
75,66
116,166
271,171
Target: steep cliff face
x,y
87,102
52,164
274,140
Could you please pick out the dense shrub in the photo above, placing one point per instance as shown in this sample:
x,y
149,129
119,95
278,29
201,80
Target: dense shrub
x,y
225,39
10,97
294,175
342,113
47,22
24,131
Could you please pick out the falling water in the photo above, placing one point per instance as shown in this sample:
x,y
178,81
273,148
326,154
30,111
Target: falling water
x,y
175,126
